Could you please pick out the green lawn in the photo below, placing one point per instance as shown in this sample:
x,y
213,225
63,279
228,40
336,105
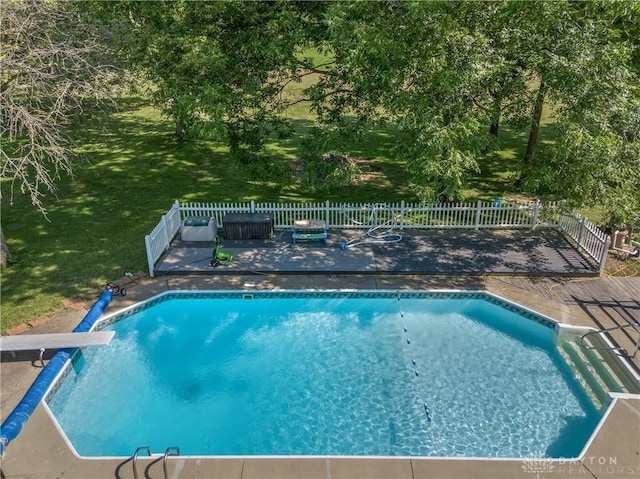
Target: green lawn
x,y
136,168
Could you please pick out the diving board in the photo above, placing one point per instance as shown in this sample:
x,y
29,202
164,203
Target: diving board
x,y
42,342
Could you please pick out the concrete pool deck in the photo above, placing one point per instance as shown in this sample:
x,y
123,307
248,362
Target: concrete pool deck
x,y
40,451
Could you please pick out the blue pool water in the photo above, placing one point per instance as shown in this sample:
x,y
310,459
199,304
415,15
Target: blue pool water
x,y
325,375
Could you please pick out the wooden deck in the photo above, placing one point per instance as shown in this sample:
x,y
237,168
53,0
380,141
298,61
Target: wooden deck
x,y
443,252
600,303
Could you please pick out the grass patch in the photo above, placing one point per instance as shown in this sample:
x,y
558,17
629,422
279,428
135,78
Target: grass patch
x,y
136,168
500,168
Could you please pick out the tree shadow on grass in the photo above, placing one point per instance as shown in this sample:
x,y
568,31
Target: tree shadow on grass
x,y
134,171
502,166
385,177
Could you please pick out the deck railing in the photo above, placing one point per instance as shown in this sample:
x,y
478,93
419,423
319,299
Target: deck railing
x,y
159,240
496,214
402,215
588,237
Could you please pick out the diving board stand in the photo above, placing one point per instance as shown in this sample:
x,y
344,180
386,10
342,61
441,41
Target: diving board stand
x,y
42,342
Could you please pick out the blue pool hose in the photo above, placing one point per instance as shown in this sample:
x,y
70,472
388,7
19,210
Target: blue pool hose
x,y
12,426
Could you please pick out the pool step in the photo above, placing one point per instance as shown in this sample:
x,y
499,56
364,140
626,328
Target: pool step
x,y
598,371
629,383
586,374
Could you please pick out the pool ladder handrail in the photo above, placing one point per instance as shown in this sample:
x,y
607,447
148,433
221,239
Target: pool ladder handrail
x,y
634,325
135,459
168,453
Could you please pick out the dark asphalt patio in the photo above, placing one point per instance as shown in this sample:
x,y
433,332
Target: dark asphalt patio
x,y
429,252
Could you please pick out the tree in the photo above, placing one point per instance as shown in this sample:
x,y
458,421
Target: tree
x,y
51,63
419,66
446,75
443,72
218,69
587,65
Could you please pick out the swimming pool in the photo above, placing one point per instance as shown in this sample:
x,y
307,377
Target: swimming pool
x,y
331,373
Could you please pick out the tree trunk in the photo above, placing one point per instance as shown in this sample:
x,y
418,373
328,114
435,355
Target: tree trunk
x,y
535,124
4,251
493,129
495,117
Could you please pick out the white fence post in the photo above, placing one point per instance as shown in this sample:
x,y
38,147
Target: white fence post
x,y
327,214
605,253
150,260
167,240
581,232
534,217
478,211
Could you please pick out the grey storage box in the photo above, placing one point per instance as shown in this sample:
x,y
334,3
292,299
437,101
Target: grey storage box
x,y
247,226
198,228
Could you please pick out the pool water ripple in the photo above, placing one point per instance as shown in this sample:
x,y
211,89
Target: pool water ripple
x,y
318,376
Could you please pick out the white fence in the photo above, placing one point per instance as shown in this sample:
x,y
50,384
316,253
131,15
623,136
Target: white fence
x,y
589,238
159,240
497,214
